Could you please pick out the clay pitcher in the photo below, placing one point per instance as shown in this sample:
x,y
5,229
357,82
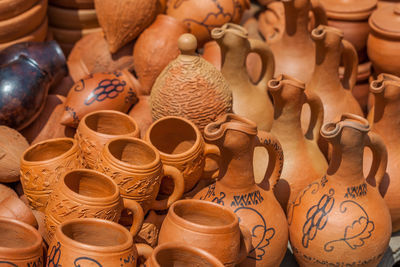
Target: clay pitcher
x,y
384,120
249,100
341,219
257,209
301,151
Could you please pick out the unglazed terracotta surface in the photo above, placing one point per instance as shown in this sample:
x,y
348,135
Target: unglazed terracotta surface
x,y
73,4
72,19
12,8
14,208
141,113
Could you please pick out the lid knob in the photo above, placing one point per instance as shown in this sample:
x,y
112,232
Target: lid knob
x,y
187,43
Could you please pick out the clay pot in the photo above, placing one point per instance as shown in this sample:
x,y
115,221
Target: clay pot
x,y
178,254
74,19
136,168
190,87
97,128
212,53
134,16
14,208
6,191
236,189
73,4
208,226
12,8
300,151
113,91
352,18
340,219
155,48
71,36
42,166
182,146
47,125
91,55
92,242
20,244
141,113
83,193
12,145
383,40
202,17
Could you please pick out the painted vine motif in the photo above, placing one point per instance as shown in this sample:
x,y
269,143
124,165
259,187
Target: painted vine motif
x,y
54,256
314,187
86,260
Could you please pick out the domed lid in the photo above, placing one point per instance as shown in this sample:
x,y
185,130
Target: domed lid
x,y
386,21
349,9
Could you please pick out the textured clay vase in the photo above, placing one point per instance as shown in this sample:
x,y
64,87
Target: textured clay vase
x,y
300,151
384,40
136,167
92,242
155,48
182,146
97,128
20,244
384,120
14,208
133,17
83,193
236,189
203,16
42,166
114,91
12,145
180,254
341,219
190,87
248,100
208,226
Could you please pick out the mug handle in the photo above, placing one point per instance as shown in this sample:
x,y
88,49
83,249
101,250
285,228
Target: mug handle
x,y
144,250
210,149
316,116
179,188
245,243
137,213
350,62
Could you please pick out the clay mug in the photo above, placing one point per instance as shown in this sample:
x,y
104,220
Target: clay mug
x,y
84,193
20,244
180,254
97,128
209,226
42,166
181,145
92,242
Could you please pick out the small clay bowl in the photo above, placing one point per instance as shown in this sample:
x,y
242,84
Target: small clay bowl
x,y
73,19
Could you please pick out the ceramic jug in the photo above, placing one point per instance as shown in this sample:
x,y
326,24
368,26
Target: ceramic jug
x,y
190,87
384,120
236,189
249,100
301,151
340,219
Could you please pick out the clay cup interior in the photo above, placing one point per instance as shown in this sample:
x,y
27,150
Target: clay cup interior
x,y
48,150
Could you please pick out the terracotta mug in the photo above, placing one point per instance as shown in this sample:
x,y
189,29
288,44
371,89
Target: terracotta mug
x,y
181,145
86,193
97,128
209,226
136,167
92,242
43,164
20,244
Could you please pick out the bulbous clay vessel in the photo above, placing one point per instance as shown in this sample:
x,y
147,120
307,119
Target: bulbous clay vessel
x,y
20,244
6,191
155,48
12,145
208,226
135,166
236,189
83,193
178,254
92,242
384,39
42,166
182,146
97,128
190,87
385,122
133,17
14,208
202,17
249,100
341,219
115,91
141,113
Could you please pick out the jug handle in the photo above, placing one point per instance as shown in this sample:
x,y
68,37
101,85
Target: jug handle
x,y
275,161
138,215
379,160
316,117
268,62
210,149
350,62
319,13
179,188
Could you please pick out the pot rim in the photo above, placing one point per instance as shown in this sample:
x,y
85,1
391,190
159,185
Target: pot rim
x,y
381,31
332,129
